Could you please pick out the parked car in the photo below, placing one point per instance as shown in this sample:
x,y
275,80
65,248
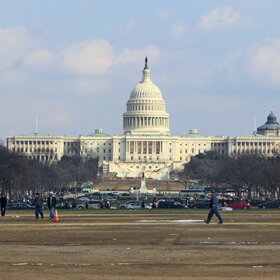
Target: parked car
x,y
92,204
137,204
113,194
83,198
169,204
199,204
19,205
270,204
241,204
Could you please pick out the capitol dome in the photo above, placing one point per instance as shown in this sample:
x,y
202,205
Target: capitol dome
x,y
146,88
146,113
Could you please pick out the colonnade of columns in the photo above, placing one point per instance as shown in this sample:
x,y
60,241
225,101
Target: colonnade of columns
x,y
135,122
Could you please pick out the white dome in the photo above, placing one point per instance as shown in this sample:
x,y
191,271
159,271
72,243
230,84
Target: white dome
x,y
146,88
146,113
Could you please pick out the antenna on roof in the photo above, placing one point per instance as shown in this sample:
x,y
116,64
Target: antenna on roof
x,y
36,121
255,123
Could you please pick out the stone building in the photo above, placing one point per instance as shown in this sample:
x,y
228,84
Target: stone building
x,y
145,143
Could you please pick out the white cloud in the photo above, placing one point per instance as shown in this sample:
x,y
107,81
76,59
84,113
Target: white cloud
x,y
138,55
129,29
178,30
263,62
15,42
223,18
90,86
39,60
89,58
163,14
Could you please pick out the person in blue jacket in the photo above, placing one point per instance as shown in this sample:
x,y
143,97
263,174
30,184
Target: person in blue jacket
x,y
214,209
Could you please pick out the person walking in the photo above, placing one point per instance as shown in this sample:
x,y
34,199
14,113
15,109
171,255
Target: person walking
x,y
38,202
51,202
3,205
214,209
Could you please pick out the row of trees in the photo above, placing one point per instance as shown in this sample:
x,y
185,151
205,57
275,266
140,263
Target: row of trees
x,y
259,175
19,175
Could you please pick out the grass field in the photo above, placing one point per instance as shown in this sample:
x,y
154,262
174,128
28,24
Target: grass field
x,y
147,244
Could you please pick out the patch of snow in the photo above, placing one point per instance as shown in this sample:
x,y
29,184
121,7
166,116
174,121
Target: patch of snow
x,y
227,209
169,221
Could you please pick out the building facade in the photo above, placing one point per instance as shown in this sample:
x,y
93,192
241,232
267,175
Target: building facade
x,y
145,144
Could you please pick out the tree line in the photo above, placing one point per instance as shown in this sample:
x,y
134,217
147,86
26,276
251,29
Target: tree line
x,y
20,176
258,175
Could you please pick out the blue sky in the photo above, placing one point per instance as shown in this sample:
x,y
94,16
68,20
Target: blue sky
x,y
74,63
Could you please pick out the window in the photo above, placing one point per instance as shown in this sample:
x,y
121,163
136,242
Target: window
x,y
144,147
150,145
131,146
139,147
157,147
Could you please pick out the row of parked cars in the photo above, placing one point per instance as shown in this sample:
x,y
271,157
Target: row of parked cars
x,y
161,203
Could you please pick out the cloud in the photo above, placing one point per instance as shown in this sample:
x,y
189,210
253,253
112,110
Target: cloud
x,y
263,62
178,30
39,60
137,55
129,29
223,18
89,58
90,86
15,42
163,14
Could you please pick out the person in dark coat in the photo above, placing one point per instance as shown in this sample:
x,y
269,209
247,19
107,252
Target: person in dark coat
x,y
214,209
38,202
51,204
3,204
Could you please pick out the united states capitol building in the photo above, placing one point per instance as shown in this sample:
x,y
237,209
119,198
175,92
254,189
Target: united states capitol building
x,y
145,144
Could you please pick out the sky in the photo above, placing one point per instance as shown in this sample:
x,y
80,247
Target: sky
x,y
74,63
